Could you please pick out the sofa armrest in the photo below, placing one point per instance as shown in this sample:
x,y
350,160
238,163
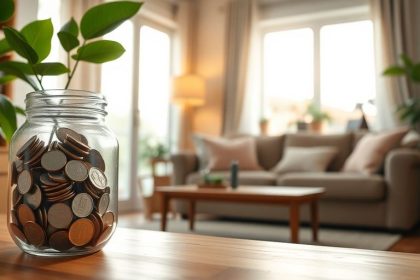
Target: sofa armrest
x,y
402,174
183,164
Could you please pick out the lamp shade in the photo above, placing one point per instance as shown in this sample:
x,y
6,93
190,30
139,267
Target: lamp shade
x,y
189,90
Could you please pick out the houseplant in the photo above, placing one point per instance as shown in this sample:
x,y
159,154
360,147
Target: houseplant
x,y
64,159
317,116
409,111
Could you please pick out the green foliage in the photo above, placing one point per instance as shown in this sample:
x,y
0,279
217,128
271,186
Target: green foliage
x,y
410,111
99,51
8,121
316,113
7,10
104,18
19,44
38,34
4,46
68,35
6,79
50,69
20,70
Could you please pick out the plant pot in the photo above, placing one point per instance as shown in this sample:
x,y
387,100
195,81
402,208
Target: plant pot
x,y
264,128
63,190
316,126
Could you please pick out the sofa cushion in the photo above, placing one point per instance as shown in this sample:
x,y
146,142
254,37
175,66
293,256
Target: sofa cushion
x,y
269,150
256,178
342,142
339,186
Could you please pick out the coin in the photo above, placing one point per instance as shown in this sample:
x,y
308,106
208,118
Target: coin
x,y
18,233
98,229
62,133
82,205
53,160
97,178
69,153
19,165
24,182
108,218
13,217
103,203
37,156
34,233
14,173
96,159
16,197
60,216
46,180
59,241
58,178
76,144
25,146
104,236
25,214
81,232
76,170
34,198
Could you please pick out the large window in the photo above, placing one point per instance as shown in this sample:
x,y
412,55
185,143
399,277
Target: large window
x,y
330,65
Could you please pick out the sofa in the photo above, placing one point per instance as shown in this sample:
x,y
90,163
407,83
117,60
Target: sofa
x,y
389,199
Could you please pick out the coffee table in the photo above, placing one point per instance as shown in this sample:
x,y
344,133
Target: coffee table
x,y
292,197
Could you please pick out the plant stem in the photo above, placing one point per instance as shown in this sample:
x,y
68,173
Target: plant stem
x,y
74,70
68,65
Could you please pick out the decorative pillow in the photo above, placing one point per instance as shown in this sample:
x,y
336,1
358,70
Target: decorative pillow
x,y
411,140
221,153
369,154
305,159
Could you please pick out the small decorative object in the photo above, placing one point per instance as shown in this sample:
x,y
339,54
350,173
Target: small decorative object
x,y
63,186
212,181
318,117
264,126
358,124
234,169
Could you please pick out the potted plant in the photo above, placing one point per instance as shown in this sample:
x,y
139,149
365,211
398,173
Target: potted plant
x,y
317,116
264,125
409,111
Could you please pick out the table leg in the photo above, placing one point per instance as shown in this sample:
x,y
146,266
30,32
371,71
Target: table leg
x,y
314,220
294,222
192,214
164,212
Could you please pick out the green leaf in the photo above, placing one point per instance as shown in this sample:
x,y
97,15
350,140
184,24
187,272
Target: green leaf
x,y
38,34
8,123
408,63
415,73
7,8
6,79
20,70
19,44
4,46
20,111
67,40
71,27
99,51
50,69
104,18
394,71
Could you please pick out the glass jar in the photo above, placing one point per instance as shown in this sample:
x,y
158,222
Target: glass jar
x,y
63,175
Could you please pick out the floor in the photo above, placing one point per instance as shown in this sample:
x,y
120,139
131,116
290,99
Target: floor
x,y
409,243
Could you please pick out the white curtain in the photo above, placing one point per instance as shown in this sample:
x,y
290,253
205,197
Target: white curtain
x,y
394,25
238,45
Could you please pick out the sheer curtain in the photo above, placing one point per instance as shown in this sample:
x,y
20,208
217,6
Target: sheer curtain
x,y
394,25
240,24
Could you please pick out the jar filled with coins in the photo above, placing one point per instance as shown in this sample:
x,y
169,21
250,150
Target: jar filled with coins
x,y
63,175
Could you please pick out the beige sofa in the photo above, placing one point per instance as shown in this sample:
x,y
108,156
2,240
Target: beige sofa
x,y
389,199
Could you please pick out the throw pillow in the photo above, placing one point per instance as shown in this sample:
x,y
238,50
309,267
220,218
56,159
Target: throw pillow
x,y
369,154
221,153
305,159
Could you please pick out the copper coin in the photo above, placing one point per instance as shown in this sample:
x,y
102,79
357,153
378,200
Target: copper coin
x,y
18,233
25,214
16,197
53,160
58,178
95,158
82,205
91,190
69,153
27,145
63,197
34,233
108,218
24,182
60,216
84,139
14,173
46,180
34,198
81,232
52,146
97,178
76,143
98,228
59,241
37,156
103,203
106,234
63,132
13,217
76,170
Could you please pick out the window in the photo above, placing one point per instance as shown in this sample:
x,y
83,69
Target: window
x,y
328,64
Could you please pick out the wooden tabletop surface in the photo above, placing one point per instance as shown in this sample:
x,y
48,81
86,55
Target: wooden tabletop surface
x,y
139,254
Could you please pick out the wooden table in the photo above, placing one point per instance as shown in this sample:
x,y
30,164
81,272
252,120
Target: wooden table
x,y
292,197
139,254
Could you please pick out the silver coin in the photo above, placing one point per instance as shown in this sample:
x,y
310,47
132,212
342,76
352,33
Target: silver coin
x,y
97,178
103,203
82,205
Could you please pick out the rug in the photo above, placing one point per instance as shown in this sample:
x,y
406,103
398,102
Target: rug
x,y
347,238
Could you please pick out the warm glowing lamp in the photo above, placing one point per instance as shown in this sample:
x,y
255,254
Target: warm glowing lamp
x,y
189,90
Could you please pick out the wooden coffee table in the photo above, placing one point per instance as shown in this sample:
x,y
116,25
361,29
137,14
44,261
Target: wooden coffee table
x,y
293,197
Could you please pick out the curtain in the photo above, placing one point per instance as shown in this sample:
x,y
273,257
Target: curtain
x,y
88,75
239,32
394,34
